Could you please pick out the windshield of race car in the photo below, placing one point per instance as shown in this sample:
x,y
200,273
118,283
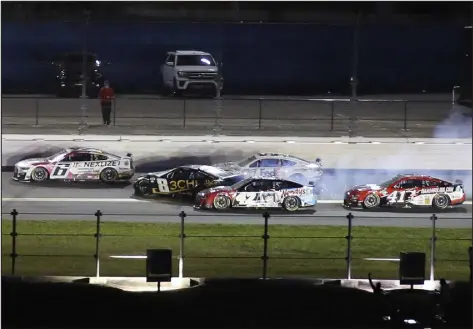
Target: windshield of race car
x,y
241,183
389,182
247,161
58,156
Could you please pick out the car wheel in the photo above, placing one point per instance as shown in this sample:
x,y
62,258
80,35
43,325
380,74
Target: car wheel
x,y
371,201
222,202
143,187
299,178
291,203
39,174
108,175
441,202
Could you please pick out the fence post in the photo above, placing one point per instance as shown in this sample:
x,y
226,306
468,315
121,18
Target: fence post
x,y
332,111
184,114
349,238
260,112
182,236
433,241
405,115
114,112
36,111
265,237
13,235
98,214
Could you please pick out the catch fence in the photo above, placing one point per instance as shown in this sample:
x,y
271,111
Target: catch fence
x,y
101,247
311,116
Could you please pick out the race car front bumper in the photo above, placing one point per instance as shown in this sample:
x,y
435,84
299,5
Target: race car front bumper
x,y
349,203
19,175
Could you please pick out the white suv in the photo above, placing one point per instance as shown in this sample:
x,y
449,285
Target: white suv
x,y
190,70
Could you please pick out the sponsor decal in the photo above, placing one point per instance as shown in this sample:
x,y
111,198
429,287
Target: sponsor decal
x,y
437,190
297,191
95,164
177,185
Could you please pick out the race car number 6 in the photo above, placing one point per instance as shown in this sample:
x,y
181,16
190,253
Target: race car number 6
x,y
162,185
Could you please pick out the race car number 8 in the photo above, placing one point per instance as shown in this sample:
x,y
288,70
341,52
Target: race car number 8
x,y
162,185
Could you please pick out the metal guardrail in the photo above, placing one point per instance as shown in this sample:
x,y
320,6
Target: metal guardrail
x,y
98,236
233,113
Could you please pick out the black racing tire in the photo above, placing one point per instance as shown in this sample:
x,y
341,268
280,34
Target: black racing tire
x,y
109,175
441,202
291,203
371,201
143,188
39,175
222,202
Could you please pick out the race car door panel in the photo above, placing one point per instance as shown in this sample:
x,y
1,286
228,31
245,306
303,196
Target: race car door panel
x,y
68,165
258,193
404,190
184,180
264,168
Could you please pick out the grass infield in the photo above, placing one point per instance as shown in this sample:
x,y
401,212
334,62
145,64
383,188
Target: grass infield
x,y
67,248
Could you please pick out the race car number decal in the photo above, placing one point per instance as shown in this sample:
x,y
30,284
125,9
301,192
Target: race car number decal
x,y
400,196
163,186
60,170
254,197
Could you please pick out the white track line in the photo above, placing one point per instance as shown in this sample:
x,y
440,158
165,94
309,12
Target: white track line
x,y
128,200
109,200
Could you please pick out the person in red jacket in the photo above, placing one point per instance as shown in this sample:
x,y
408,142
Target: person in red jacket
x,y
106,96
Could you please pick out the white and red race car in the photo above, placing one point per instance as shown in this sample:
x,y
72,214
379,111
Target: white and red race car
x,y
407,190
76,164
254,192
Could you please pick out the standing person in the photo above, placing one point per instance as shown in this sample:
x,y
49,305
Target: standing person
x,y
106,96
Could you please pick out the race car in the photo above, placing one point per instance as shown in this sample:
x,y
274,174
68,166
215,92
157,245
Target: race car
x,y
257,192
278,165
76,164
408,191
183,180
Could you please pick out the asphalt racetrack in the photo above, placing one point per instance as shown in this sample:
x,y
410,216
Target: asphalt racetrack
x,y
78,201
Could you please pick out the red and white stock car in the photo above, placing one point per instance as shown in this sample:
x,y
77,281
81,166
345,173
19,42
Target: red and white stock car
x,y
76,164
407,190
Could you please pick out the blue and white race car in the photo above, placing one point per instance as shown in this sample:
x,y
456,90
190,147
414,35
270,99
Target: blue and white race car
x,y
277,165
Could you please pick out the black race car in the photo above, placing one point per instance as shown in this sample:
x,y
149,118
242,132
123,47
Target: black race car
x,y
185,180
